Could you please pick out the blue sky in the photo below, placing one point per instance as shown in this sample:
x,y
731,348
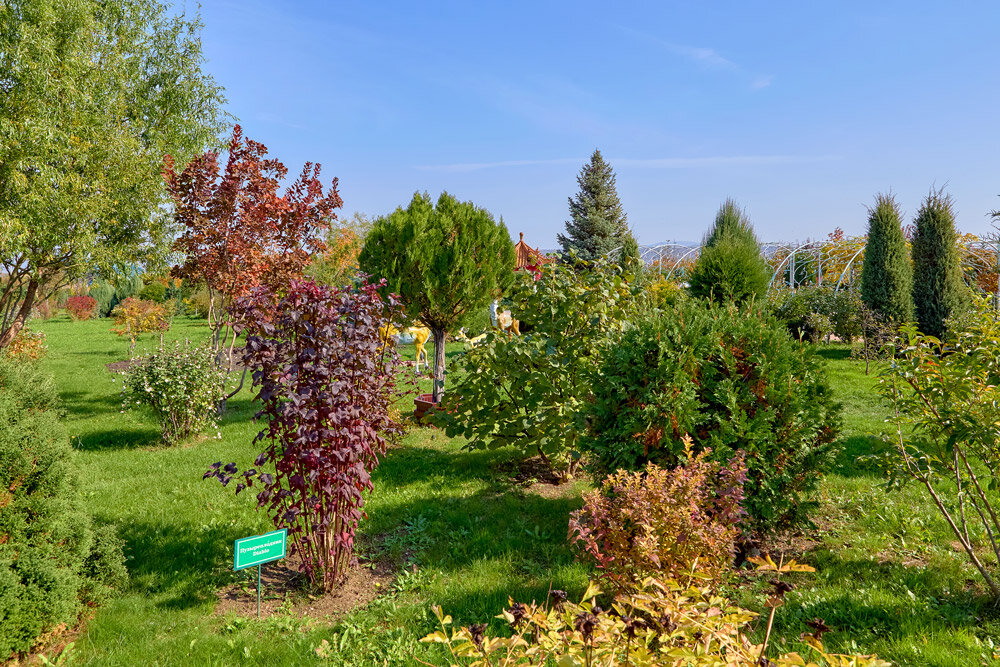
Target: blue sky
x,y
801,111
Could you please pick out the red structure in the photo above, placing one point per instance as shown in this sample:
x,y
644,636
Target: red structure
x,y
528,257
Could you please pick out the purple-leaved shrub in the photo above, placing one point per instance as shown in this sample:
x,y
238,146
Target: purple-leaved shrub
x,y
326,385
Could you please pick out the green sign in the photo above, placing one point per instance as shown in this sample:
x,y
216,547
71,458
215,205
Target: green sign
x,y
259,549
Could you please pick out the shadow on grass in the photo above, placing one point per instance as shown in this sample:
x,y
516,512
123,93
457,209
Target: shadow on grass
x,y
119,438
86,404
853,461
833,353
180,561
875,604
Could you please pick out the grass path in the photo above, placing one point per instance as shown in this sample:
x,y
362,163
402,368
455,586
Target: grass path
x,y
462,535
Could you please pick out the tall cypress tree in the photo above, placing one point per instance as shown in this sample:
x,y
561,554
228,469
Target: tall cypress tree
x,y
939,290
597,224
887,275
730,266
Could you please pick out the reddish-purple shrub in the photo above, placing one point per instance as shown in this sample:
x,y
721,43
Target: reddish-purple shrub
x,y
81,306
662,523
327,385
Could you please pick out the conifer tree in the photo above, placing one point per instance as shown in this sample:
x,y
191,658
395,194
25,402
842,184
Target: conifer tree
x,y
598,224
939,290
730,266
445,260
887,275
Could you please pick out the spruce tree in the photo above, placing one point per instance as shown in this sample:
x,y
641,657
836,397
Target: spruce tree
x,y
887,275
598,224
939,290
730,266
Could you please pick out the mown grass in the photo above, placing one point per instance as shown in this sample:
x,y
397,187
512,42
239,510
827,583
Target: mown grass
x,y
462,535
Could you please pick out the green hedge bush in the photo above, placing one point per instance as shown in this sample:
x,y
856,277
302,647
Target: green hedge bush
x,y
51,560
735,381
814,312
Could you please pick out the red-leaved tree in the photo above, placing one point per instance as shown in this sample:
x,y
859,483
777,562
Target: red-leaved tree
x,y
239,232
327,382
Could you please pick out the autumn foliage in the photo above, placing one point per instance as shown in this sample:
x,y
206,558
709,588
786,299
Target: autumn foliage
x,y
239,231
81,306
134,317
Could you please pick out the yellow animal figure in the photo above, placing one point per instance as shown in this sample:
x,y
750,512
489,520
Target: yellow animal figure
x,y
463,337
420,336
506,322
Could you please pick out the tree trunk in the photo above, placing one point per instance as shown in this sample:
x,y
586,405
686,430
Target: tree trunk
x,y
7,337
438,363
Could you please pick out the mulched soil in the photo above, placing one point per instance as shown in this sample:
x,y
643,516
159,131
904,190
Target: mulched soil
x,y
533,476
285,590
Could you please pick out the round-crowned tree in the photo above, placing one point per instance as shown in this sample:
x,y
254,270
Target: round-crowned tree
x,y
445,260
887,275
938,288
730,267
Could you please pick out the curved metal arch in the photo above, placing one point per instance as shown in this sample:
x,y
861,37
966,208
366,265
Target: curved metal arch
x,y
791,253
847,267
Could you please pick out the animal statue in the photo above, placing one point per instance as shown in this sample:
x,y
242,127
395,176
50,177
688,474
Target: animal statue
x,y
420,336
506,322
475,341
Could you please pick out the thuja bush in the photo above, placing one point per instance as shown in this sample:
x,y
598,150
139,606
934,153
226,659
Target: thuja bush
x,y
52,562
81,306
528,391
946,398
182,385
327,383
735,381
664,624
662,523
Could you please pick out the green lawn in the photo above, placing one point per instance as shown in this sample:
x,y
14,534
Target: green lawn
x,y
461,534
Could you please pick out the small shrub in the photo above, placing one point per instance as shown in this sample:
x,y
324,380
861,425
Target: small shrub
x,y
735,381
182,385
327,384
81,306
662,625
52,563
135,317
528,391
662,523
27,346
813,313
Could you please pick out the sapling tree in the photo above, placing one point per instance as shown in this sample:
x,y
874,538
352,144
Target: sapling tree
x,y
238,231
945,399
730,266
327,383
445,261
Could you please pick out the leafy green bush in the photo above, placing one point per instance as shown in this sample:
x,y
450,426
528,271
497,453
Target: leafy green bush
x,y
183,387
734,381
814,312
528,391
730,267
51,561
662,523
155,291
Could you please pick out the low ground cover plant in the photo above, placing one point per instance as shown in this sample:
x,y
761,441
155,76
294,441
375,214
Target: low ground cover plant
x,y
327,385
662,523
52,561
182,385
529,391
945,396
734,381
81,306
668,623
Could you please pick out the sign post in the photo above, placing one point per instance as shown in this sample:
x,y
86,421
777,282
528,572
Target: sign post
x,y
257,550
